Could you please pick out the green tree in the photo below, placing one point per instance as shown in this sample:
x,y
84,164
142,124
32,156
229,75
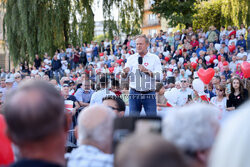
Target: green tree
x,y
207,14
236,12
35,26
221,12
130,16
175,11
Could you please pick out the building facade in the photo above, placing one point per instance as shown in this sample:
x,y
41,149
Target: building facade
x,y
152,23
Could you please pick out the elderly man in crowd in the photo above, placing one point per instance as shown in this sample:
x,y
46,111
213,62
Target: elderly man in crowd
x,y
83,94
151,150
193,130
18,79
95,138
35,118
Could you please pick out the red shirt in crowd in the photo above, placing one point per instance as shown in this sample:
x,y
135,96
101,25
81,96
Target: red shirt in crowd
x,y
194,43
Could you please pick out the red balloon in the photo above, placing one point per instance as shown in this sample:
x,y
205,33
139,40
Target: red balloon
x,y
6,152
245,68
231,48
194,65
180,52
111,69
119,61
225,63
219,57
101,54
206,75
167,58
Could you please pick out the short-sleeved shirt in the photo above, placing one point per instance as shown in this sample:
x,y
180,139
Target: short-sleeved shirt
x,y
83,96
139,80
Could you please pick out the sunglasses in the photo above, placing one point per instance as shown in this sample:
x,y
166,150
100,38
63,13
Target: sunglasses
x,y
17,77
220,90
184,81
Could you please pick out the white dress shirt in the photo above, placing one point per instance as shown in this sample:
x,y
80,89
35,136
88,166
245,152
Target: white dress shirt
x,y
139,80
97,97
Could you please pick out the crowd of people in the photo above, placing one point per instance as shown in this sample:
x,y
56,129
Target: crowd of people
x,y
71,99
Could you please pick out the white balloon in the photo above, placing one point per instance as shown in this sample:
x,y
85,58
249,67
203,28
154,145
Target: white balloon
x,y
216,61
166,53
217,46
181,60
172,95
198,85
207,58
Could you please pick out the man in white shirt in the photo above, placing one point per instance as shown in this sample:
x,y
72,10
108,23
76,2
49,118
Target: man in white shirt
x,y
241,54
97,97
143,73
233,63
183,93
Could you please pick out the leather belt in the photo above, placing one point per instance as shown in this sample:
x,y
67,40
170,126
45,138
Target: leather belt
x,y
142,92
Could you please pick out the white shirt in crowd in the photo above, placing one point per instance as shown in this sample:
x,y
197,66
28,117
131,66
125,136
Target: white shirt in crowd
x,y
241,55
221,105
34,72
47,64
88,51
183,96
139,80
64,64
231,41
97,97
232,66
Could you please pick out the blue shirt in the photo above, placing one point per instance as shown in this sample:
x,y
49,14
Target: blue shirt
x,y
227,74
83,96
200,49
242,43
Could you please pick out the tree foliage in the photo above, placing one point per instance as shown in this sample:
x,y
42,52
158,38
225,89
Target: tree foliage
x,y
236,12
207,14
35,26
221,12
175,11
130,16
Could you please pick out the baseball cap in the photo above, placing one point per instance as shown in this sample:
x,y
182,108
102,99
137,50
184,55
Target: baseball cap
x,y
9,80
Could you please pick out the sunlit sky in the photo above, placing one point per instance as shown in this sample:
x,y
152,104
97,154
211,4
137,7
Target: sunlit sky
x,y
97,9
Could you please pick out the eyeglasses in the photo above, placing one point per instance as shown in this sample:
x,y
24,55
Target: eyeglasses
x,y
184,81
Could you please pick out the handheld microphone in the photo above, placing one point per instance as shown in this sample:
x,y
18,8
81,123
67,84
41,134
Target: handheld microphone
x,y
140,60
140,63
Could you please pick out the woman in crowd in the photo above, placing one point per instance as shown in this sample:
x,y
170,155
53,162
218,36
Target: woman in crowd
x,y
238,94
220,101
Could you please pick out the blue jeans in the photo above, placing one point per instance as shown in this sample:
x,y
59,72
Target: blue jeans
x,y
137,100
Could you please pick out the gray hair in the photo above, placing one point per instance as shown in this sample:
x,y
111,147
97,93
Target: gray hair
x,y
143,36
101,133
147,150
232,145
192,128
33,111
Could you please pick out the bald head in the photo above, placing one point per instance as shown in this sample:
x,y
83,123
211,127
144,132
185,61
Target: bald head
x,y
95,125
34,111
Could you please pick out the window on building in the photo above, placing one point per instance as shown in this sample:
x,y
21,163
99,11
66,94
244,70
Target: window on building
x,y
152,32
152,17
